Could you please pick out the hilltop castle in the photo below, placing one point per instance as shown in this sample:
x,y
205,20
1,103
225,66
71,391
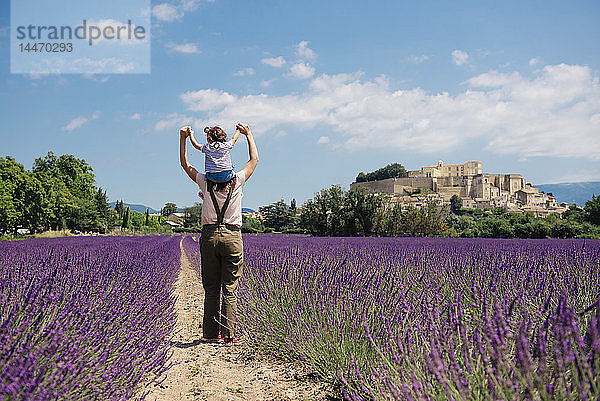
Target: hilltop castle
x,y
467,180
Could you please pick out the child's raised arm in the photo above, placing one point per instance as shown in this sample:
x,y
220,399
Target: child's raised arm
x,y
193,140
235,136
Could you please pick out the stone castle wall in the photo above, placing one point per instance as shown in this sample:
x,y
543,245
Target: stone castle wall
x,y
467,180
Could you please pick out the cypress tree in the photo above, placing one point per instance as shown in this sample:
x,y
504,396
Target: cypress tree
x,y
119,208
147,218
125,218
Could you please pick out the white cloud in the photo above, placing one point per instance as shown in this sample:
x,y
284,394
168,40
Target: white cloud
x,y
36,76
494,79
323,140
95,77
166,12
418,59
207,99
274,61
186,48
80,121
578,176
190,5
266,83
92,66
554,113
280,134
244,72
460,57
301,71
136,116
303,51
487,52
111,64
75,123
534,61
172,122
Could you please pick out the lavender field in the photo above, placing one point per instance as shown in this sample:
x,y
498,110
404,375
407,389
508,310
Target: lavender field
x,y
85,318
430,319
379,318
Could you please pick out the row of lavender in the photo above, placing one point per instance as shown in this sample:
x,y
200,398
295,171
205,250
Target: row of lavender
x,y
85,318
429,319
191,248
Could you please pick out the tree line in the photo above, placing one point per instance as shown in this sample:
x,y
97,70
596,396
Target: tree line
x,y
576,222
337,212
394,170
60,193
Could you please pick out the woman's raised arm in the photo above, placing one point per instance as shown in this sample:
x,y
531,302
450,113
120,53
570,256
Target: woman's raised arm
x,y
183,159
252,151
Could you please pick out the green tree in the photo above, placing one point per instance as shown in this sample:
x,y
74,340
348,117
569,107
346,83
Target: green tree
x,y
574,212
147,220
324,215
136,219
125,222
428,220
192,216
499,228
464,226
23,200
362,211
70,185
102,208
76,173
33,202
169,209
84,217
592,210
455,204
112,219
251,225
390,223
277,215
119,208
394,170
11,210
361,177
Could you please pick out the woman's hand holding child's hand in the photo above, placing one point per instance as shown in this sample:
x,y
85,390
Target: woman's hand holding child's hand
x,y
243,128
186,131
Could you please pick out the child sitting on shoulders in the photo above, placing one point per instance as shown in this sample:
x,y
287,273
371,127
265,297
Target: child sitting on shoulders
x,y
217,161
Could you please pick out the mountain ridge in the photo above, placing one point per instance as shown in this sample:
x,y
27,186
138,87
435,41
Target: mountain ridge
x,y
142,208
572,192
134,206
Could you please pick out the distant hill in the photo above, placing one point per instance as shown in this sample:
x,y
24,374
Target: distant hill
x,y
137,208
247,210
142,208
572,192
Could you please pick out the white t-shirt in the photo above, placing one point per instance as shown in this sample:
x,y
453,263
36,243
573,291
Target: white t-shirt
x,y
233,214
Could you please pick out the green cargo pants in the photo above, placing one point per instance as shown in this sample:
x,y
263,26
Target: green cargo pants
x,y
222,253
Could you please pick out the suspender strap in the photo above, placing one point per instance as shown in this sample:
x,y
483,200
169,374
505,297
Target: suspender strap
x,y
220,212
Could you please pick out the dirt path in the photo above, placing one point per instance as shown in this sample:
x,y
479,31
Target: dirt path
x,y
219,372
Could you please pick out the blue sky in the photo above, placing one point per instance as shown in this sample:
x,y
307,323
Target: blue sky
x,y
329,89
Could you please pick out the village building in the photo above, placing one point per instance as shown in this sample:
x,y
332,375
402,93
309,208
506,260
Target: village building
x,y
476,189
175,220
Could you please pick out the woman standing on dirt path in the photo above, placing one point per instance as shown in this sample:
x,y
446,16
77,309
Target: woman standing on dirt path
x,y
221,246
